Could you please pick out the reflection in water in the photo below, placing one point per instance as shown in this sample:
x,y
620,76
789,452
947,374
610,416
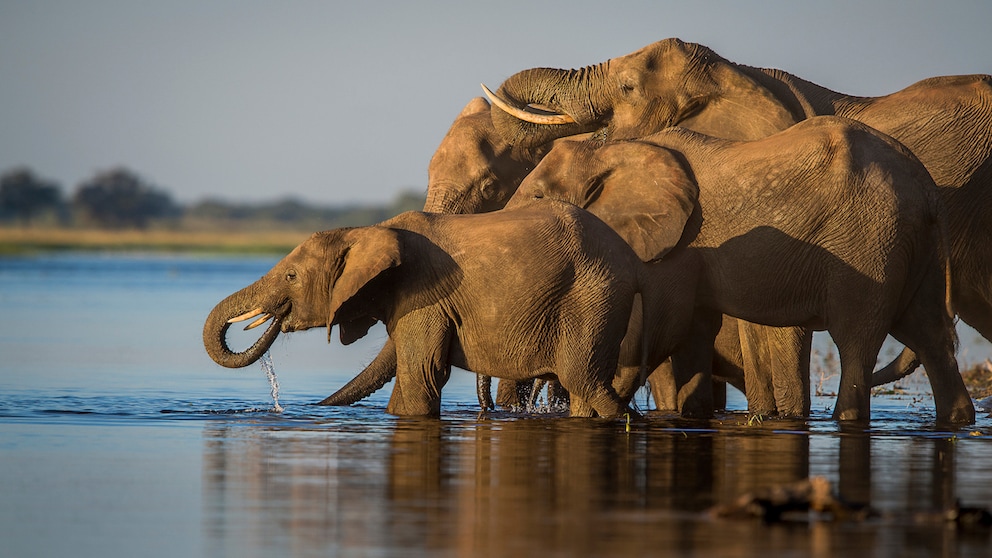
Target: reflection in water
x,y
569,487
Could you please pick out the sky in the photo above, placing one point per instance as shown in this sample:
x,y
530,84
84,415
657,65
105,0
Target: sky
x,y
344,102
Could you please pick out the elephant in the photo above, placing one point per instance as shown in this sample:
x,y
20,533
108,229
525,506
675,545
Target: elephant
x,y
472,171
829,225
945,121
430,279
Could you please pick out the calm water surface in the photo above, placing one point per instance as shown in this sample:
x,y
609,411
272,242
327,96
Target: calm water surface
x,y
119,437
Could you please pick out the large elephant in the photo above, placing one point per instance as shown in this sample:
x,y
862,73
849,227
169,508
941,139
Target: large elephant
x,y
429,278
829,225
474,170
945,121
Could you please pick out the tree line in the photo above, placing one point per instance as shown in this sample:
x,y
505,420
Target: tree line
x,y
119,198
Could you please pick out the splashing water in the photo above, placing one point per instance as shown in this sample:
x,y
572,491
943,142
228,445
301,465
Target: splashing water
x,y
270,373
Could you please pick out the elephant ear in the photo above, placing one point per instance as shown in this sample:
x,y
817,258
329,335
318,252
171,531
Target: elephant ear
x,y
744,110
375,250
645,195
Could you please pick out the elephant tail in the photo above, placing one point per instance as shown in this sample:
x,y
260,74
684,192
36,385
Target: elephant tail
x,y
368,381
948,302
945,254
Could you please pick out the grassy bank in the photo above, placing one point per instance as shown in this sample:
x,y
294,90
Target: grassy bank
x,y
27,240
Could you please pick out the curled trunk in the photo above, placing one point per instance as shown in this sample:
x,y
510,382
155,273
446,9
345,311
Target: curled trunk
x,y
564,92
369,380
216,326
903,365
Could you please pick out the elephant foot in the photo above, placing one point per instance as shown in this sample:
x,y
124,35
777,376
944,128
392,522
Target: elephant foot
x,y
578,407
405,404
695,402
851,415
960,414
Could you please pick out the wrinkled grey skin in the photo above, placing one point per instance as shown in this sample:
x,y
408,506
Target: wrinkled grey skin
x,y
428,278
472,171
475,171
945,121
829,225
671,82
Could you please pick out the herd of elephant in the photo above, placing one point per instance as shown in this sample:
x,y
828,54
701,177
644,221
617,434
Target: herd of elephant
x,y
665,217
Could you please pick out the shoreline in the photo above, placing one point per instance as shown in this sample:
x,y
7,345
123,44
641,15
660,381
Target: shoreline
x,y
27,240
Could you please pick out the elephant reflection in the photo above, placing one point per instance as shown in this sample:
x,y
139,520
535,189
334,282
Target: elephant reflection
x,y
544,486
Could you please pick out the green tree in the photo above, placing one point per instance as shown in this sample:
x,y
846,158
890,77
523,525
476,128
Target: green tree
x,y
119,198
24,196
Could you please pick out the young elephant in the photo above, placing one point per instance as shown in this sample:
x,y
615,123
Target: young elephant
x,y
544,289
828,225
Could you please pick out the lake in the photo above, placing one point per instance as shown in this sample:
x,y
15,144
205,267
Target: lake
x,y
120,437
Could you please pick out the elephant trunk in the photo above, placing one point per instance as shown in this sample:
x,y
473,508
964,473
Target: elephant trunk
x,y
220,320
370,380
442,199
563,92
903,365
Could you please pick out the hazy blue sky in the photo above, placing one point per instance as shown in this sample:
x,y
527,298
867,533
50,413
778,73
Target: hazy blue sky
x,y
346,101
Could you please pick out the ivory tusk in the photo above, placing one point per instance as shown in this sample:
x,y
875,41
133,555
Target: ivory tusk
x,y
525,115
246,316
265,317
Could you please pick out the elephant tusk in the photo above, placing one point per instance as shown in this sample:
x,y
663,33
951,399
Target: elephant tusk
x,y
531,115
246,316
265,317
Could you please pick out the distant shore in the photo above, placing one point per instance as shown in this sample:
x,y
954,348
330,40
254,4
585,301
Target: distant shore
x,y
21,240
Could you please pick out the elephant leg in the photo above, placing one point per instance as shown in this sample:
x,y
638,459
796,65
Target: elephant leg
x,y
792,348
484,391
607,404
927,329
663,388
597,396
858,350
422,364
758,383
627,381
952,402
579,407
728,358
776,369
693,367
381,370
557,397
511,394
728,362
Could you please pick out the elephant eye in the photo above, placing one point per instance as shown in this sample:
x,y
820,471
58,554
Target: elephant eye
x,y
291,275
487,189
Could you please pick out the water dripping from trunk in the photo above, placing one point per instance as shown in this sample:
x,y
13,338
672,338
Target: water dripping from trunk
x,y
270,373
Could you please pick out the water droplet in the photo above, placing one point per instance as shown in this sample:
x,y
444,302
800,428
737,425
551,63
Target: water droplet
x,y
270,373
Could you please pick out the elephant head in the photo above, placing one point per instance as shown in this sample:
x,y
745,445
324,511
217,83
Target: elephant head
x,y
664,84
474,169
310,287
640,190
